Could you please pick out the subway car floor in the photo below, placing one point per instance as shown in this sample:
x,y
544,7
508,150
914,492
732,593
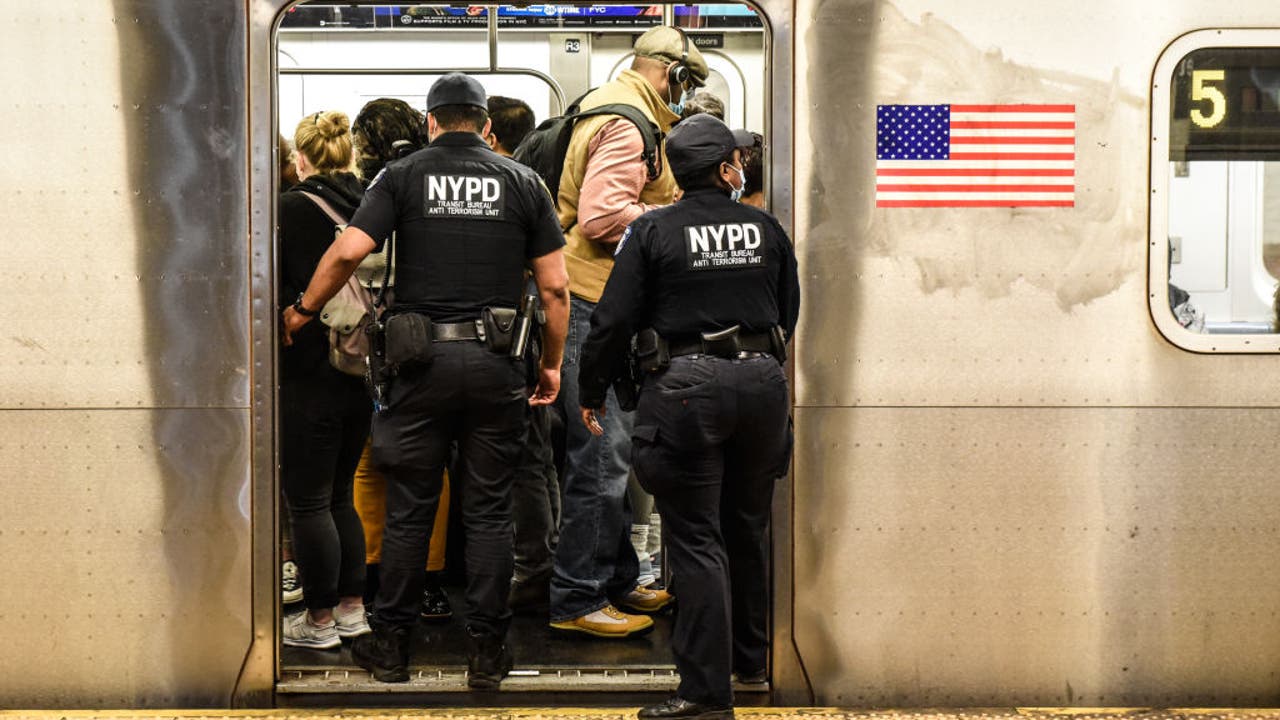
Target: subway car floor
x,y
544,658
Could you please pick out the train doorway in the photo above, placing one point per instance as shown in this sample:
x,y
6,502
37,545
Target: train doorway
x,y
340,56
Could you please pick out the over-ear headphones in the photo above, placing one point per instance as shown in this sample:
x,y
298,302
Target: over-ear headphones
x,y
678,75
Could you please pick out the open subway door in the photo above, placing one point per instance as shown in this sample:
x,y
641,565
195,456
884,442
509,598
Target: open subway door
x,y
339,56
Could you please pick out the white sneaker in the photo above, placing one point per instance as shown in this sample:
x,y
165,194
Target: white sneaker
x,y
351,624
289,585
299,632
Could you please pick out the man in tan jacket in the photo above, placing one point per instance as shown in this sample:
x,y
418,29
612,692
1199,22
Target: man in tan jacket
x,y
605,185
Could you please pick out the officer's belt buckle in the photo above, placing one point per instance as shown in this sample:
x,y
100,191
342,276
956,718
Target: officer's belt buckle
x,y
455,332
723,344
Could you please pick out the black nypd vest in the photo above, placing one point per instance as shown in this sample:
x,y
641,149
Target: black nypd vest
x,y
467,220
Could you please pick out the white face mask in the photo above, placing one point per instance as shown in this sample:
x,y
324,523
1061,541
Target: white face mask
x,y
736,193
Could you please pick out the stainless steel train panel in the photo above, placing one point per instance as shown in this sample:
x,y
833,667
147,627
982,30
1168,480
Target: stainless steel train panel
x,y
127,267
1020,306
1080,526
124,375
126,550
961,557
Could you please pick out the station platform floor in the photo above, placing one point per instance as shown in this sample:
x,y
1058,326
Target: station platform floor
x,y
628,713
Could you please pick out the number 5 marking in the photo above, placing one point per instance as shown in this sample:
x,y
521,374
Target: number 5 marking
x,y
1201,91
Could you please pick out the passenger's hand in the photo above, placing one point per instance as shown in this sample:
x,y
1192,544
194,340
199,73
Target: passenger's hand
x,y
293,322
591,418
548,387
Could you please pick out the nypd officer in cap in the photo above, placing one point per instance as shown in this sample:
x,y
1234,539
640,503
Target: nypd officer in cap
x,y
468,222
708,287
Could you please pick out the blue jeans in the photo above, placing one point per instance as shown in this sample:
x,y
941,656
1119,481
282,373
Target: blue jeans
x,y
594,560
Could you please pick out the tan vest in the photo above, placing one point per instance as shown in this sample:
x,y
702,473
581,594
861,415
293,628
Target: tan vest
x,y
589,262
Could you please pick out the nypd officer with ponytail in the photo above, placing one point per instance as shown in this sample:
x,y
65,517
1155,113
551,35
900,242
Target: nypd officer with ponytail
x,y
709,289
467,223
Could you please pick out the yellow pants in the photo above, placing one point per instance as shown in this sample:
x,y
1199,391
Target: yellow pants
x,y
371,505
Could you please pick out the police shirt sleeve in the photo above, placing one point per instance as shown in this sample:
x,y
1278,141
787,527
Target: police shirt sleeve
x,y
377,212
788,282
545,235
616,318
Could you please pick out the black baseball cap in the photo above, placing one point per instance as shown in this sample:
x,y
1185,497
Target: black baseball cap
x,y
698,143
456,89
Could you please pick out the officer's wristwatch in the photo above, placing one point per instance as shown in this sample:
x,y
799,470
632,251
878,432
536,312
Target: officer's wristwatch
x,y
301,309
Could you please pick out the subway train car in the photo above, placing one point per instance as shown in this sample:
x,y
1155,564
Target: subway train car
x,y
1035,419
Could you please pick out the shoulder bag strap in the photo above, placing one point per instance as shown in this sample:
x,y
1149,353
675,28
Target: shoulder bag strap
x,y
325,207
337,219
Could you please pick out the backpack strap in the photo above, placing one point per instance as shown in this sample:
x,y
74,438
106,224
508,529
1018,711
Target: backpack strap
x,y
337,219
325,207
648,131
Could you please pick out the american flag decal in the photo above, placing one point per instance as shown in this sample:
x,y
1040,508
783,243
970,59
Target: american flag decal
x,y
975,155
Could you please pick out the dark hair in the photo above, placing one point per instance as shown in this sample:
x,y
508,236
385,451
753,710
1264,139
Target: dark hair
x,y
465,118
288,171
753,164
512,120
703,102
380,126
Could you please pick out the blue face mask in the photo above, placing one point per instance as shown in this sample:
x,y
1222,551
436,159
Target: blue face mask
x,y
678,107
736,193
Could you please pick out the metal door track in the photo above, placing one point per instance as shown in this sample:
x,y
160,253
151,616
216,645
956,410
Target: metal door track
x,y
454,679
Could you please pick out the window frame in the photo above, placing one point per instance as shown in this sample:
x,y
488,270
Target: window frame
x,y
1158,239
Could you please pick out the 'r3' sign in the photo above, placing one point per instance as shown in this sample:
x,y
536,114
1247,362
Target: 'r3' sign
x,y
573,45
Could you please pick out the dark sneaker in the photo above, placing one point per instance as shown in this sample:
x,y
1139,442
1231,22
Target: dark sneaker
x,y
752,677
488,660
384,653
435,603
678,707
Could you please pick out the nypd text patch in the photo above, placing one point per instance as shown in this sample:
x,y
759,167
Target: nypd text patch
x,y
475,197
727,246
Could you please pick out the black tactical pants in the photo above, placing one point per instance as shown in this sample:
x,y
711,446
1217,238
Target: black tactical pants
x,y
536,500
711,437
475,397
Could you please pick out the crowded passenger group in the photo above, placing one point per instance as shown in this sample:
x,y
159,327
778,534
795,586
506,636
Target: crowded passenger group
x,y
584,370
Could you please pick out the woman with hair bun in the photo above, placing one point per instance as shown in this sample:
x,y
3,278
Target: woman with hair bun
x,y
324,414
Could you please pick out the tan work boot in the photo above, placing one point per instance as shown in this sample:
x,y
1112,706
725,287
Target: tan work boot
x,y
607,622
646,600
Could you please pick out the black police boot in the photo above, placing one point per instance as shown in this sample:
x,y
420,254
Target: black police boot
x,y
383,652
435,603
488,660
678,707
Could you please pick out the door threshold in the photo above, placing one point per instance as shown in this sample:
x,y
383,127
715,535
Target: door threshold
x,y
453,679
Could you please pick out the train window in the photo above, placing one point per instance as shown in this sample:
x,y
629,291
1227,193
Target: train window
x,y
341,55
1215,220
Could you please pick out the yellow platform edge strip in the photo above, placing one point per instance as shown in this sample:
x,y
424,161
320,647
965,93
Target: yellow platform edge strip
x,y
618,712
